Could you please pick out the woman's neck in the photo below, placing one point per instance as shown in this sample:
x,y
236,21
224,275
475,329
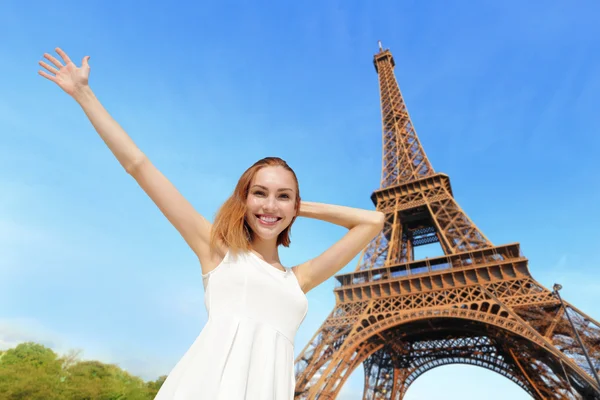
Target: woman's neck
x,y
267,249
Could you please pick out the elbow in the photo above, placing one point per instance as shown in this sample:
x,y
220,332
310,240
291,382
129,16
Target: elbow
x,y
379,220
132,166
373,221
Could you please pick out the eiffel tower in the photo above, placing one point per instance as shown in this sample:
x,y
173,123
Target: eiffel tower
x,y
477,304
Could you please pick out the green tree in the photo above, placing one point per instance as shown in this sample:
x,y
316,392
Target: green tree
x,y
89,380
154,386
30,371
34,372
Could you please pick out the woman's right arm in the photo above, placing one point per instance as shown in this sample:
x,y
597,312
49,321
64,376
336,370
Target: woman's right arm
x,y
192,226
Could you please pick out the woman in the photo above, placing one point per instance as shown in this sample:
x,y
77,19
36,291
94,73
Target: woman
x,y
254,304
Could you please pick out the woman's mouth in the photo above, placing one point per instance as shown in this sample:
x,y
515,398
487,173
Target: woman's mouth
x,y
267,220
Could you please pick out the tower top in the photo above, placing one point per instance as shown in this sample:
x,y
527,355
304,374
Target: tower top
x,y
383,54
404,159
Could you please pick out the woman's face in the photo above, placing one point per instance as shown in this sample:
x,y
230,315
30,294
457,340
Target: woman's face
x,y
271,203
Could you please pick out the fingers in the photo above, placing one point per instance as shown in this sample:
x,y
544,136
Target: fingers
x,y
46,75
53,60
48,67
51,70
63,55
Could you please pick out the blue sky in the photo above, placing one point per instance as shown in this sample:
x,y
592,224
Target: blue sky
x,y
501,94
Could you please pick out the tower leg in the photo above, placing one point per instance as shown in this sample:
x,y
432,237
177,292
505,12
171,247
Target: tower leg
x,y
379,376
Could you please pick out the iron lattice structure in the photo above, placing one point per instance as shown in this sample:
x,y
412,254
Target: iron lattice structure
x,y
478,304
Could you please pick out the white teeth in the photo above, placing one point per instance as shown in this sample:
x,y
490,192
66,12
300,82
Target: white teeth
x,y
268,219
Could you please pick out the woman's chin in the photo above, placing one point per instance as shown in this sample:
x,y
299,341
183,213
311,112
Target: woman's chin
x,y
265,237
266,234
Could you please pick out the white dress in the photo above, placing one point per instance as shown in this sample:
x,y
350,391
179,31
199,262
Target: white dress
x,y
246,349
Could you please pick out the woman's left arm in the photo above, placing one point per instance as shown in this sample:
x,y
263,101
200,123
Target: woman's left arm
x,y
363,226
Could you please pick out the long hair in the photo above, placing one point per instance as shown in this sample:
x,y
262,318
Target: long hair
x,y
230,226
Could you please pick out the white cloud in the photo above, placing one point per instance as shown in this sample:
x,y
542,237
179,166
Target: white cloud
x,y
19,330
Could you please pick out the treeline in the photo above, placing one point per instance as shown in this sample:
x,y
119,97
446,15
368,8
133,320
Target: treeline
x,y
31,371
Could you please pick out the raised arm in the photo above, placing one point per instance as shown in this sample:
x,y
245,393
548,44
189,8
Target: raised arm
x,y
363,226
194,228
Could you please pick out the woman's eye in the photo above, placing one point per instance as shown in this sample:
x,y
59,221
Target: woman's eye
x,y
285,196
259,193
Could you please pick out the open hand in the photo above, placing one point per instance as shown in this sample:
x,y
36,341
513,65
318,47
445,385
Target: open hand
x,y
68,77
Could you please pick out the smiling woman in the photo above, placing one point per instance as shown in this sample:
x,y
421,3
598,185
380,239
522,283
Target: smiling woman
x,y
255,305
265,201
276,212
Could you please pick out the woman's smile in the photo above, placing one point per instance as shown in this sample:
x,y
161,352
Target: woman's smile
x,y
267,220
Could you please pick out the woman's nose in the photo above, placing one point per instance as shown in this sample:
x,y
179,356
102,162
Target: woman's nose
x,y
270,204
